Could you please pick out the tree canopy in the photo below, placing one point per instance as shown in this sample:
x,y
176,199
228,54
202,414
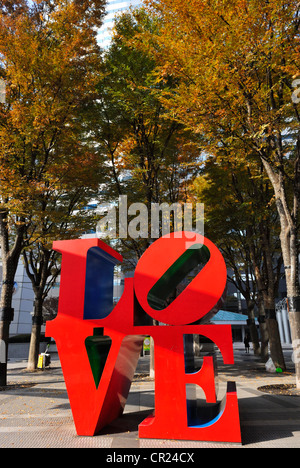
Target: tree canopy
x,y
150,157
49,61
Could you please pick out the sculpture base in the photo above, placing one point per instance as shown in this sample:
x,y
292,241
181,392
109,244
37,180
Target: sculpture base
x,y
220,423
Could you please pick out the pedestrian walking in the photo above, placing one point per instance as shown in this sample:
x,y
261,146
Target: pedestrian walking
x,y
247,343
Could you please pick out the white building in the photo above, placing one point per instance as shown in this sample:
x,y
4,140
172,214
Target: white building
x,y
113,8
22,303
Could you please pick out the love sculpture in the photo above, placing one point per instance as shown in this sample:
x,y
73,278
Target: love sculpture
x,y
99,345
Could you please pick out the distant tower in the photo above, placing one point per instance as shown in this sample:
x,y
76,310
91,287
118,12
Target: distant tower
x,y
113,7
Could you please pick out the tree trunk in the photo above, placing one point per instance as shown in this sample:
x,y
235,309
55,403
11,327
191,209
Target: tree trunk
x,y
289,247
6,314
10,253
289,241
37,322
294,315
38,271
4,336
274,339
273,331
264,346
266,290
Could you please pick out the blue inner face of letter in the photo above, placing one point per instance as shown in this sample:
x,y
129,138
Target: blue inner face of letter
x,y
99,284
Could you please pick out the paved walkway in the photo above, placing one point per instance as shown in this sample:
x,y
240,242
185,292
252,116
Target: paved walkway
x,y
36,412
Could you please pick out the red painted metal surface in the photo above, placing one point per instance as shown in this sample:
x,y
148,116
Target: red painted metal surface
x,y
98,371
200,299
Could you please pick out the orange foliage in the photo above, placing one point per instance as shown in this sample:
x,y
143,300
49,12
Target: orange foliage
x,y
50,63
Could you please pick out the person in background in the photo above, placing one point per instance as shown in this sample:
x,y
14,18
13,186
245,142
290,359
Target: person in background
x,y
247,343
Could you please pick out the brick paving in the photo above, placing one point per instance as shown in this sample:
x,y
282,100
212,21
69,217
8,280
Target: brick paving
x,y
35,410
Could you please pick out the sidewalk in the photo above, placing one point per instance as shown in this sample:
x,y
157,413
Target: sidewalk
x,y
36,412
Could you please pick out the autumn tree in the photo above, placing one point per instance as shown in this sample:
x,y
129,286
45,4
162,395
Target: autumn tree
x,y
236,64
49,57
150,157
239,210
65,212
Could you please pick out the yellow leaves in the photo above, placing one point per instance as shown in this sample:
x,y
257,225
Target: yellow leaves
x,y
222,55
50,62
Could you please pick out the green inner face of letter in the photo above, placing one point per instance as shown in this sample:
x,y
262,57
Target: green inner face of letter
x,y
97,347
195,257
